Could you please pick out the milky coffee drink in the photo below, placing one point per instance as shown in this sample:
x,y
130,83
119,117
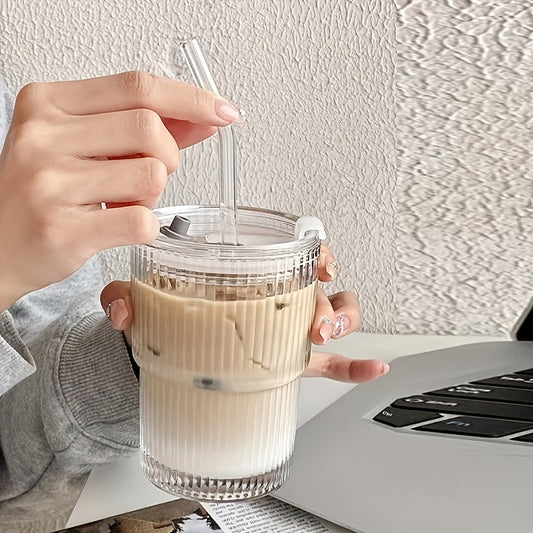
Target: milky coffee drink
x,y
221,334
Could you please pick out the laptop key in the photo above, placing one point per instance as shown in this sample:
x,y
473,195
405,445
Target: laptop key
x,y
466,406
486,393
392,416
476,426
508,380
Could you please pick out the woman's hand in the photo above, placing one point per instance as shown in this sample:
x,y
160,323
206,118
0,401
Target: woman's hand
x,y
75,147
335,316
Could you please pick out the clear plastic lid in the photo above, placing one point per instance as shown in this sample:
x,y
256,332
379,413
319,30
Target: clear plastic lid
x,y
267,244
261,232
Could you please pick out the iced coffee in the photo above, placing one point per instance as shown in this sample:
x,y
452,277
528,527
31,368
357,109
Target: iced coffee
x,y
222,338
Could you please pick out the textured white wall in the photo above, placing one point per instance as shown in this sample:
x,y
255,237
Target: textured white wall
x,y
314,77
332,116
465,165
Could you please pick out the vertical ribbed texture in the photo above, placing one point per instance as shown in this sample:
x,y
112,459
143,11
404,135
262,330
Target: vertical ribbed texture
x,y
220,360
215,435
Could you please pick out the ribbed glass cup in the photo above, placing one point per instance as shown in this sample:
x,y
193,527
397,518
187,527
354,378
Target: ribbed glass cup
x,y
221,335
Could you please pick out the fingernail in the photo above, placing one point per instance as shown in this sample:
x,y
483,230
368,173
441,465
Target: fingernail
x,y
332,269
341,326
326,329
227,112
384,368
117,312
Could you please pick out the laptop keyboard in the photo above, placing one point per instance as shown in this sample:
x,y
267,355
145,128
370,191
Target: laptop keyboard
x,y
499,407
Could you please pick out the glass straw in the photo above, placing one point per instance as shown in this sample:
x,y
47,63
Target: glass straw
x,y
227,145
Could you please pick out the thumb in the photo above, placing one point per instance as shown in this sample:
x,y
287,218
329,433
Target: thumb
x,y
116,301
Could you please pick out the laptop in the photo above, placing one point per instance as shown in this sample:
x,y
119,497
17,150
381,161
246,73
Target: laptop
x,y
441,444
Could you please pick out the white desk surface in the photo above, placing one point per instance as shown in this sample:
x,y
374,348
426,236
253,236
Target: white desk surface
x,y
121,487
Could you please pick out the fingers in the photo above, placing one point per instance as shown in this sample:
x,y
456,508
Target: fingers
x,y
134,90
57,126
140,181
139,131
335,316
116,302
347,313
341,368
328,269
187,133
119,226
323,325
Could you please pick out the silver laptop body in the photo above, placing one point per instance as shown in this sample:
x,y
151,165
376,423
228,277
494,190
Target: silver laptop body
x,y
375,478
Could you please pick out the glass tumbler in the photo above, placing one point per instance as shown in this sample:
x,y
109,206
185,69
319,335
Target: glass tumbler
x,y
221,334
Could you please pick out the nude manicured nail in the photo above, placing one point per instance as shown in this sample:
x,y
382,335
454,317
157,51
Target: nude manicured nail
x,y
332,268
117,312
384,368
326,329
341,326
227,112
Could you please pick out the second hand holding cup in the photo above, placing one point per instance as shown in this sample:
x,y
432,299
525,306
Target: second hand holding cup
x,y
227,145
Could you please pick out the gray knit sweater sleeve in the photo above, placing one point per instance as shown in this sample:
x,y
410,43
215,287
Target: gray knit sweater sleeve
x,y
69,402
16,361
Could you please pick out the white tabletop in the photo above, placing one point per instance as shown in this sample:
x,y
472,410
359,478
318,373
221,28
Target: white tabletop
x,y
121,487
